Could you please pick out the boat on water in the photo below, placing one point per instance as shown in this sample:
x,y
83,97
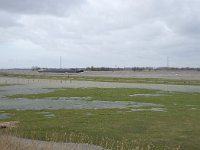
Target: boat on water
x,y
56,70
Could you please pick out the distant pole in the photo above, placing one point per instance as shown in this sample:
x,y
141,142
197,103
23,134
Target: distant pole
x,y
60,62
167,61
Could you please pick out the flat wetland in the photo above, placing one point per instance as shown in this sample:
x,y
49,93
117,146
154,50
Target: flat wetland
x,y
115,115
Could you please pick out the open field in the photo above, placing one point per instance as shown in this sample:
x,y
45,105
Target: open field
x,y
111,115
162,74
149,77
31,85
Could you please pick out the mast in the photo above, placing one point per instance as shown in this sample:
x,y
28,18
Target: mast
x,y
167,61
60,62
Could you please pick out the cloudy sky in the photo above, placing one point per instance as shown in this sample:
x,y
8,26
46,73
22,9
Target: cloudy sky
x,y
99,33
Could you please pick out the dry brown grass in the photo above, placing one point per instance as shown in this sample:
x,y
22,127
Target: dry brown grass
x,y
10,124
8,142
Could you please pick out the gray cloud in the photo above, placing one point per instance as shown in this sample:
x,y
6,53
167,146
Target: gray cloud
x,y
52,7
119,32
8,20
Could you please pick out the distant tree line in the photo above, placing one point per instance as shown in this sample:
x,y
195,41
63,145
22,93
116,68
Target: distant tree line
x,y
92,68
138,68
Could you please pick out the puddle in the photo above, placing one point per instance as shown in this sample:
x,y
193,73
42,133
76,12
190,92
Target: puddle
x,y
4,116
47,114
44,112
50,115
89,114
78,98
151,109
158,109
190,105
145,95
63,103
132,110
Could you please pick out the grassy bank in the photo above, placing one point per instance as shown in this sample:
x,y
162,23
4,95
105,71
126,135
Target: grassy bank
x,y
107,79
120,94
177,127
6,85
92,93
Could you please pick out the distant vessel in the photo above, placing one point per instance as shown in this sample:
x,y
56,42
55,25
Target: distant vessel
x,y
55,70
59,70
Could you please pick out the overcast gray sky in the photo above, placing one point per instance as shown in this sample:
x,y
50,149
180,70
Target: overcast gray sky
x,y
112,33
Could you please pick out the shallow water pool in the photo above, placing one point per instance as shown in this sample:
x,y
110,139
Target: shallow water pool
x,y
65,103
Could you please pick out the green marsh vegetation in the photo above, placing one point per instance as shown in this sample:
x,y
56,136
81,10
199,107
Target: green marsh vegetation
x,y
6,85
176,128
110,94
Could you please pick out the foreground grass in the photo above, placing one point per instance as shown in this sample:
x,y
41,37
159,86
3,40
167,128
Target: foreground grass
x,y
177,128
113,128
107,79
8,142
